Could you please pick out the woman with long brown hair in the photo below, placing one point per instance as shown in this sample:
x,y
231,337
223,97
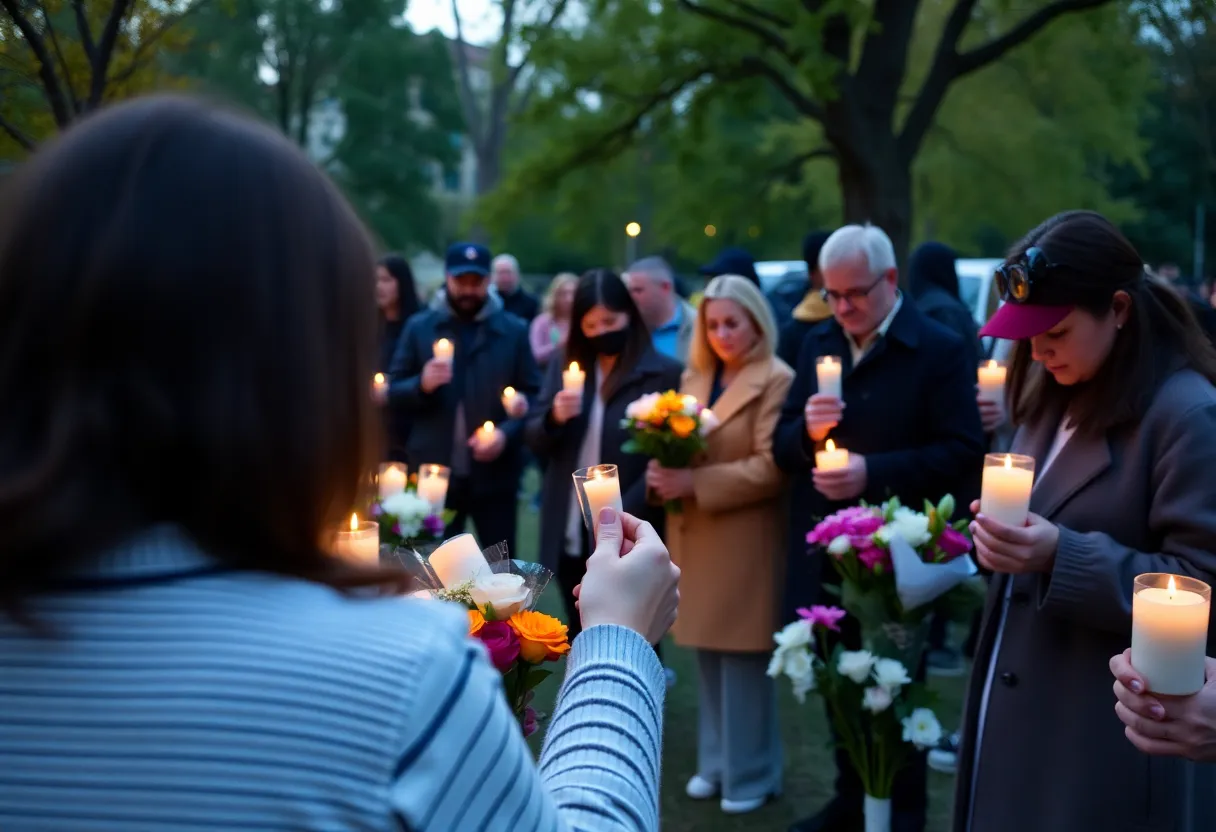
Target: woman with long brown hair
x,y
187,332
1111,386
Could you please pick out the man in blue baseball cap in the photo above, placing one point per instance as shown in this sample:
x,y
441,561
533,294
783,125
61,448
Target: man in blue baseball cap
x,y
453,389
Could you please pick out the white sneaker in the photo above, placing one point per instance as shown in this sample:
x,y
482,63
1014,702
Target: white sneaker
x,y
699,788
742,807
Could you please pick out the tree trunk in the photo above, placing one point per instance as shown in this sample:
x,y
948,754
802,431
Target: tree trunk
x,y
877,188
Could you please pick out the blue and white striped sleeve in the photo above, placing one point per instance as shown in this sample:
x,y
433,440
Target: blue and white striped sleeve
x,y
466,766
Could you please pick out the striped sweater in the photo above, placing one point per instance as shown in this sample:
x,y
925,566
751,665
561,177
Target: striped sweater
x,y
177,695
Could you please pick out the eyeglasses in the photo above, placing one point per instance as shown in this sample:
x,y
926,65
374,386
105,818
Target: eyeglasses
x,y
1015,281
851,295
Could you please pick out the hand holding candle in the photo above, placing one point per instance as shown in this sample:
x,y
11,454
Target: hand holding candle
x,y
487,443
573,379
597,487
379,389
443,350
1008,479
831,457
514,403
1169,632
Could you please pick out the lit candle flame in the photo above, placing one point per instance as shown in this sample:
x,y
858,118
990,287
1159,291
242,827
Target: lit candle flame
x,y
1008,461
379,378
992,364
354,522
1173,586
828,361
831,446
509,392
574,366
434,470
443,343
488,427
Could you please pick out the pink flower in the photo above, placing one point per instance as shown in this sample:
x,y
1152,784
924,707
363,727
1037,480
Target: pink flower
x,y
502,643
874,557
821,616
856,522
954,544
531,724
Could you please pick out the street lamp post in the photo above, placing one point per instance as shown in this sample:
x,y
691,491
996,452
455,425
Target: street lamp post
x,y
632,230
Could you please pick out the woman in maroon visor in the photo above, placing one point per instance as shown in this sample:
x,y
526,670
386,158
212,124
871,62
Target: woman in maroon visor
x,y
1111,389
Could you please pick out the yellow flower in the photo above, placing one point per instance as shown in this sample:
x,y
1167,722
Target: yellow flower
x,y
683,426
671,402
476,622
542,638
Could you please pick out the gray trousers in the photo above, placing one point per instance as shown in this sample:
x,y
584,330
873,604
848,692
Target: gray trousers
x,y
738,742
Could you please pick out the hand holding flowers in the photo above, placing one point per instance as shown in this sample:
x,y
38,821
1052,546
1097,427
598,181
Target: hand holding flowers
x,y
670,428
669,483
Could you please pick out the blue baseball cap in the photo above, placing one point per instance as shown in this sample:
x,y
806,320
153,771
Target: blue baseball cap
x,y
467,258
732,261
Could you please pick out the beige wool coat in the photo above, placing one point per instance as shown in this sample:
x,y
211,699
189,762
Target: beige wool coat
x,y
729,542
1053,756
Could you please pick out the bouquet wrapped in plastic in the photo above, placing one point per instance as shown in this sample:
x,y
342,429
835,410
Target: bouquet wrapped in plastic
x,y
500,595
669,428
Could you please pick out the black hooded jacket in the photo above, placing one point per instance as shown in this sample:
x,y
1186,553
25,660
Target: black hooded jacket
x,y
933,283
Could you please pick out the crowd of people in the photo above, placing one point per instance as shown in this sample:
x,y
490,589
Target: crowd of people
x,y
189,418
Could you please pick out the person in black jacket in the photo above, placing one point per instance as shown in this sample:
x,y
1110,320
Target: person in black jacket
x,y
812,309
515,298
612,344
449,400
908,418
933,284
396,301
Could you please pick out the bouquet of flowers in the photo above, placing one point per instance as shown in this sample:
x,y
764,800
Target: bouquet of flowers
x,y
898,565
408,521
669,428
499,594
878,713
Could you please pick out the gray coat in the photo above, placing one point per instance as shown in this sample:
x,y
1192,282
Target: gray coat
x,y
1053,757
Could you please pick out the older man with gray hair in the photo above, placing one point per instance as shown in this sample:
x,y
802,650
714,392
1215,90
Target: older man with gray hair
x,y
515,299
670,318
906,411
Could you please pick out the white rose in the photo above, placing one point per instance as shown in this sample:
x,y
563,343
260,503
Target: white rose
x,y
891,675
922,729
912,526
876,700
883,536
709,422
800,668
776,664
840,546
641,408
690,405
506,592
856,665
795,634
406,505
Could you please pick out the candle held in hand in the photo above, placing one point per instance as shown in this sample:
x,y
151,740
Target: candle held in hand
x,y
485,435
392,480
511,402
991,381
827,371
597,487
573,379
1008,479
1169,632
359,543
380,384
831,457
443,350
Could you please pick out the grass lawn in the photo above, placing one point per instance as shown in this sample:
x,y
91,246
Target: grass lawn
x,y
809,768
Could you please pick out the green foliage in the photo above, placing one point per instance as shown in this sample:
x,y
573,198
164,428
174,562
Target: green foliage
x,y
372,101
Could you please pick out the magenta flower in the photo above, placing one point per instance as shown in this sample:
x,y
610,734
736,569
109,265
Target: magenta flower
x,y
821,616
531,723
856,522
397,529
874,557
953,543
502,643
433,525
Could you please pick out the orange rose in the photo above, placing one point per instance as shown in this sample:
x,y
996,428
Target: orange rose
x,y
683,426
671,401
476,622
542,638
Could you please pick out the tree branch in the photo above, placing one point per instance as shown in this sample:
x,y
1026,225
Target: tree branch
x,y
141,49
105,52
756,11
995,49
51,88
753,66
558,9
63,61
85,31
19,136
468,101
766,35
793,166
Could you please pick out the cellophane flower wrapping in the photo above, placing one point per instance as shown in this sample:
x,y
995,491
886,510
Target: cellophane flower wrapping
x,y
501,599
879,714
670,428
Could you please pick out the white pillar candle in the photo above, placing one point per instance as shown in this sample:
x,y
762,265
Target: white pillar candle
x,y
433,485
1170,632
485,435
1008,480
458,560
827,370
991,380
443,350
597,487
360,542
380,384
573,379
831,457
392,480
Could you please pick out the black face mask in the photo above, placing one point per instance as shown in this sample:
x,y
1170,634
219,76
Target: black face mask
x,y
609,343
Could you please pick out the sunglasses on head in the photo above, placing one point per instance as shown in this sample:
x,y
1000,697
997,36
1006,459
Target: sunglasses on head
x,y
1016,280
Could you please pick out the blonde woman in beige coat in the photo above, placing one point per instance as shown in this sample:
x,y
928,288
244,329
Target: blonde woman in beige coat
x,y
730,543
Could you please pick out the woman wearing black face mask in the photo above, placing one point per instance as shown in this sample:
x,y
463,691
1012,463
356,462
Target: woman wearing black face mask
x,y
611,343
